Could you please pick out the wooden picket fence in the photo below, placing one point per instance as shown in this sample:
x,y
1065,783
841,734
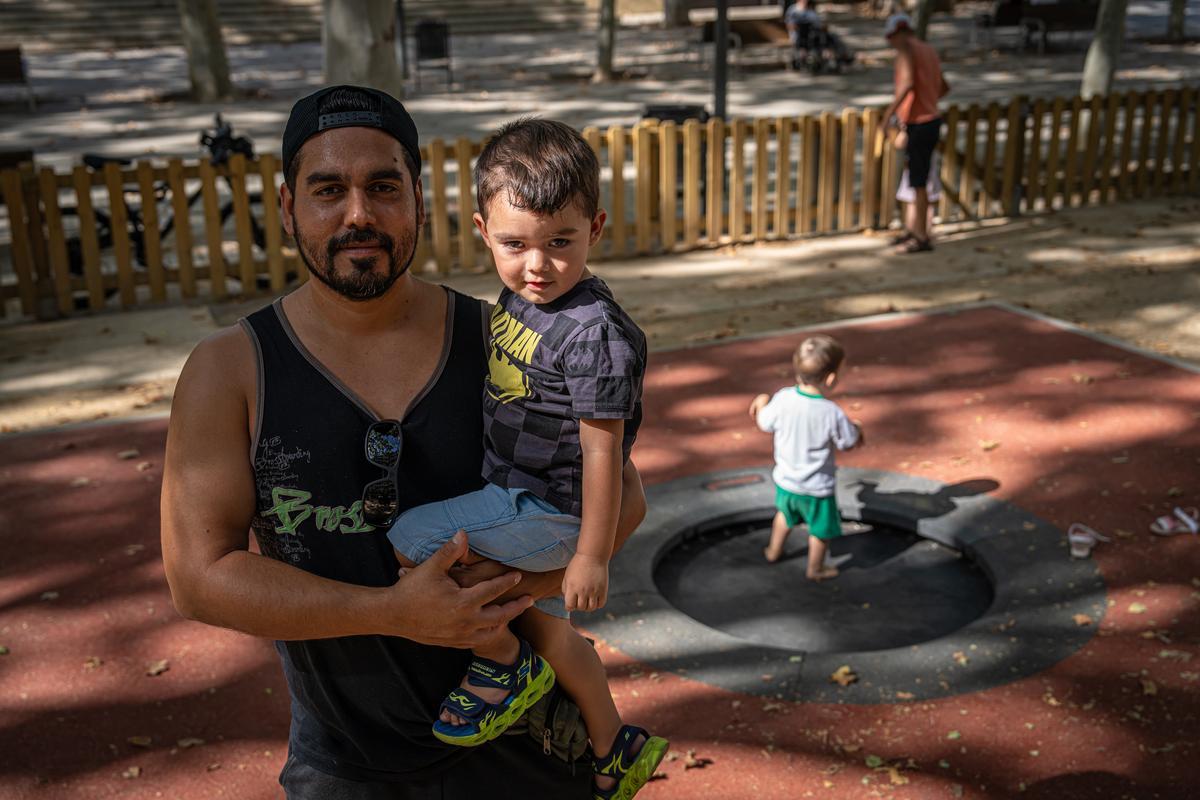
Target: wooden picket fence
x,y
667,188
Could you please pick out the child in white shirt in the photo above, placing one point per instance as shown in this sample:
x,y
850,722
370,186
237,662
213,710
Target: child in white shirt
x,y
808,429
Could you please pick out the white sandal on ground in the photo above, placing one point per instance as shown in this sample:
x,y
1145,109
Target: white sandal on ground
x,y
1083,539
1181,520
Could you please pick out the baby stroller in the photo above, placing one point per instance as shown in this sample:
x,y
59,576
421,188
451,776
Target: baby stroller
x,y
815,49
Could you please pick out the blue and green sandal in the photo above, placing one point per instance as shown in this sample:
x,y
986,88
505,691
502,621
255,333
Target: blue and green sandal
x,y
526,680
631,770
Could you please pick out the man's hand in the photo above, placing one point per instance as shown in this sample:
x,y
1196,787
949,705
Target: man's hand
x,y
585,586
433,609
757,404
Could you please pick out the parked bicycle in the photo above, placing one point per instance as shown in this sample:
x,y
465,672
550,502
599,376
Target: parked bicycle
x,y
221,145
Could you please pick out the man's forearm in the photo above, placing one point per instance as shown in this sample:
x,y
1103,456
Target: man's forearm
x,y
257,595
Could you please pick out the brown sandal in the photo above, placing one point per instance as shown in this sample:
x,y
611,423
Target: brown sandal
x,y
915,245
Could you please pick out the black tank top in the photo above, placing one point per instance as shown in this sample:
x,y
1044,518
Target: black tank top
x,y
362,706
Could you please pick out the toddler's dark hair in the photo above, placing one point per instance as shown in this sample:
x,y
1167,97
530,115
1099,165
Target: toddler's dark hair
x,y
816,358
541,165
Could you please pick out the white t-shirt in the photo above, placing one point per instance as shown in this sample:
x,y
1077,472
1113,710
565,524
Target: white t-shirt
x,y
807,429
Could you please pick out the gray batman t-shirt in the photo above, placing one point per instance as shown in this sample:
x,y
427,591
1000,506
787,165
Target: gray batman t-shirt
x,y
549,366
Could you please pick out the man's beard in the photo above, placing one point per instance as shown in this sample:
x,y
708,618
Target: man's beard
x,y
363,283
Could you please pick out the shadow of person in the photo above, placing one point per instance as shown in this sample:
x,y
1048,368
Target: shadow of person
x,y
924,505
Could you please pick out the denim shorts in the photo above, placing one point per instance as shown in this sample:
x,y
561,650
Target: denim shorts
x,y
512,526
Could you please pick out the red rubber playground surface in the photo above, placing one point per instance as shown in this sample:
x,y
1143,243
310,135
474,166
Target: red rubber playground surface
x,y
1070,427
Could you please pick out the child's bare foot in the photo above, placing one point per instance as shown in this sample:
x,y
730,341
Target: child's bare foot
x,y
772,554
824,573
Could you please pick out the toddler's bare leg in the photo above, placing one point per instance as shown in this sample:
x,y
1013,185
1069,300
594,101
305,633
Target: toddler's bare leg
x,y
818,570
578,669
779,535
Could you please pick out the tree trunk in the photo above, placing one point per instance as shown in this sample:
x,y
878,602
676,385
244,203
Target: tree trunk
x,y
605,36
924,12
1177,21
208,68
359,40
675,13
1101,61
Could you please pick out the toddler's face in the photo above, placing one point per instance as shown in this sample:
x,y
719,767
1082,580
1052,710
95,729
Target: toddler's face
x,y
539,257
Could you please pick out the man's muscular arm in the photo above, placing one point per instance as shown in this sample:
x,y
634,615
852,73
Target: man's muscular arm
x,y
208,500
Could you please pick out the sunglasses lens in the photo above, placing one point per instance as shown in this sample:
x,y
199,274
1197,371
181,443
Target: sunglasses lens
x,y
381,502
383,444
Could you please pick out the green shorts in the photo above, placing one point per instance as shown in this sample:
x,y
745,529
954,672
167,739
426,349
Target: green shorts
x,y
821,513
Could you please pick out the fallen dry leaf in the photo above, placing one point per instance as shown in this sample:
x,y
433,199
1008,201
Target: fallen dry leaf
x,y
961,658
134,549
213,767
1137,608
125,455
191,741
49,595
81,481
93,662
143,466
843,676
904,695
895,777
988,444
1176,655
139,741
157,667
1149,686
3,650
691,762
132,772
1082,620
953,735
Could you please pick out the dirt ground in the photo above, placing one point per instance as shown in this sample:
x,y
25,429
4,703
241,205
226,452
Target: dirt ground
x,y
1130,271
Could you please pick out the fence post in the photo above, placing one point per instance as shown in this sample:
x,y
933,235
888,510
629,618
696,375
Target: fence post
x,y
691,183
846,204
869,210
271,223
1033,159
1194,159
440,219
827,185
1164,130
151,246
716,180
668,184
37,238
466,205
59,261
1112,106
643,209
616,162
183,227
89,240
949,162
1181,123
1149,101
22,249
1014,151
758,202
247,272
119,225
212,230
987,196
737,183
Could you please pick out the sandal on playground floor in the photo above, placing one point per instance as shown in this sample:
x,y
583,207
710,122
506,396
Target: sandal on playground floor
x,y
526,680
901,238
915,245
1083,539
1181,520
630,770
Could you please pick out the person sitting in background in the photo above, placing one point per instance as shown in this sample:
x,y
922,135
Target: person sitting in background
x,y
809,32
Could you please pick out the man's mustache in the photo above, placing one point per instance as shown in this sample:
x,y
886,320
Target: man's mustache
x,y
358,238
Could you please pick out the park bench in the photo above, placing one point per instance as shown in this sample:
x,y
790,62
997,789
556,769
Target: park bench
x,y
12,72
760,34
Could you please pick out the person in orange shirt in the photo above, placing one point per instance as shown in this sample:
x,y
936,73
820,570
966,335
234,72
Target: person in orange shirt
x,y
915,122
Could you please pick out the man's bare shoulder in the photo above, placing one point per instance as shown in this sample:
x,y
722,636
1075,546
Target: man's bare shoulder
x,y
223,363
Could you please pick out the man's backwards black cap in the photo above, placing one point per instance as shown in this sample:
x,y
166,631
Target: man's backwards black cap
x,y
387,114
